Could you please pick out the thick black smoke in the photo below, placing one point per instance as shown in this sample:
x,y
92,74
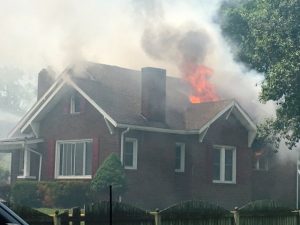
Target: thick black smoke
x,y
183,47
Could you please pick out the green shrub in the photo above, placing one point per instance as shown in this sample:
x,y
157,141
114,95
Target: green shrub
x,y
110,173
51,194
5,192
46,193
71,193
25,193
4,176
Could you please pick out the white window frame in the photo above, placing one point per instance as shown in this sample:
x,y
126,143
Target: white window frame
x,y
72,105
57,158
135,153
26,165
222,149
182,157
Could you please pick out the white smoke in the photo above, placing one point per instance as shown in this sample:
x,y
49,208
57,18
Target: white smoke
x,y
35,34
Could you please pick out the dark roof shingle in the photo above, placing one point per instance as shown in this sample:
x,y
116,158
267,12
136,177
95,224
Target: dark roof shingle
x,y
118,92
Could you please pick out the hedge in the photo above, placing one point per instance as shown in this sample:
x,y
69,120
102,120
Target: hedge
x,y
63,194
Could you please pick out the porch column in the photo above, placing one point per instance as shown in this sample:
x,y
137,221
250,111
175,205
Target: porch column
x,y
26,172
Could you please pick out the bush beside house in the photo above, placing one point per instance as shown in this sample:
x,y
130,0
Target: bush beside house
x,y
66,194
50,194
110,173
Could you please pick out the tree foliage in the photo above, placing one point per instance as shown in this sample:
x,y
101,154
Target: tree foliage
x,y
16,92
265,35
110,173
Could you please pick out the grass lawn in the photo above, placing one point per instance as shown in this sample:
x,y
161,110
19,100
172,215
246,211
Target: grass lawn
x,y
49,211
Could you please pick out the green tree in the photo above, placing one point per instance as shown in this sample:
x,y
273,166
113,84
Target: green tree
x,y
16,91
265,35
110,173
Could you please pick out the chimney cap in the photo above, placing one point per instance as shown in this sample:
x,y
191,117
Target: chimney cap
x,y
153,70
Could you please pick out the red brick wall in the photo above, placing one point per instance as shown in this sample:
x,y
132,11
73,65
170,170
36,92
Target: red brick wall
x,y
60,125
155,184
278,182
224,132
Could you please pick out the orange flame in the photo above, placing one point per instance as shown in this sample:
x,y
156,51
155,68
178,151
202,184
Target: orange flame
x,y
202,89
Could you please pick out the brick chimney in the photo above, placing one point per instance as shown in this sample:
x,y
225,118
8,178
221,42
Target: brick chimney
x,y
153,105
45,80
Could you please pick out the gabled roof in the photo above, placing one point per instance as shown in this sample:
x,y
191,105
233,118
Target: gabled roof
x,y
118,92
198,115
115,92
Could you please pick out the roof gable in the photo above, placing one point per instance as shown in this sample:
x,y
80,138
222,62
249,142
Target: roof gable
x,y
201,116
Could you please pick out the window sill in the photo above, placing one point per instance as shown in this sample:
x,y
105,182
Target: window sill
x,y
130,168
261,170
73,177
223,182
179,171
26,177
75,113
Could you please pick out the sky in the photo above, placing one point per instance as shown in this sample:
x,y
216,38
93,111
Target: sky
x,y
35,34
127,33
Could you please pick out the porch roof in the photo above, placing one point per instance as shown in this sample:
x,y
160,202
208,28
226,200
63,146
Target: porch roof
x,y
17,143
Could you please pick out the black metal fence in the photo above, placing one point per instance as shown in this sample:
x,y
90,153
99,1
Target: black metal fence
x,y
186,213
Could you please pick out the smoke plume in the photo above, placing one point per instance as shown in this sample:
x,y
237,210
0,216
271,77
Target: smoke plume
x,y
127,33
190,43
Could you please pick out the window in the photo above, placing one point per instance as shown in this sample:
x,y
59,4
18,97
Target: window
x,y
24,165
74,159
75,104
224,164
261,163
130,153
179,157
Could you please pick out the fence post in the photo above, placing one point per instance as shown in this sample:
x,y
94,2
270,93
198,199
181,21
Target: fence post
x,y
56,220
76,215
157,217
236,216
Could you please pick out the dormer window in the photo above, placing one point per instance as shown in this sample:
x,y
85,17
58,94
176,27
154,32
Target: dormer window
x,y
75,104
262,163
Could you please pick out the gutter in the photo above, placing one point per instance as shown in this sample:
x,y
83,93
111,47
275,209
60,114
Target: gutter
x,y
122,142
155,129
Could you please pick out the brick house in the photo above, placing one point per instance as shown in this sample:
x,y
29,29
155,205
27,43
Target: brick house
x,y
171,150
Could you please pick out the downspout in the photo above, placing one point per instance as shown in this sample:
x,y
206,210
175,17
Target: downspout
x,y
122,142
297,182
